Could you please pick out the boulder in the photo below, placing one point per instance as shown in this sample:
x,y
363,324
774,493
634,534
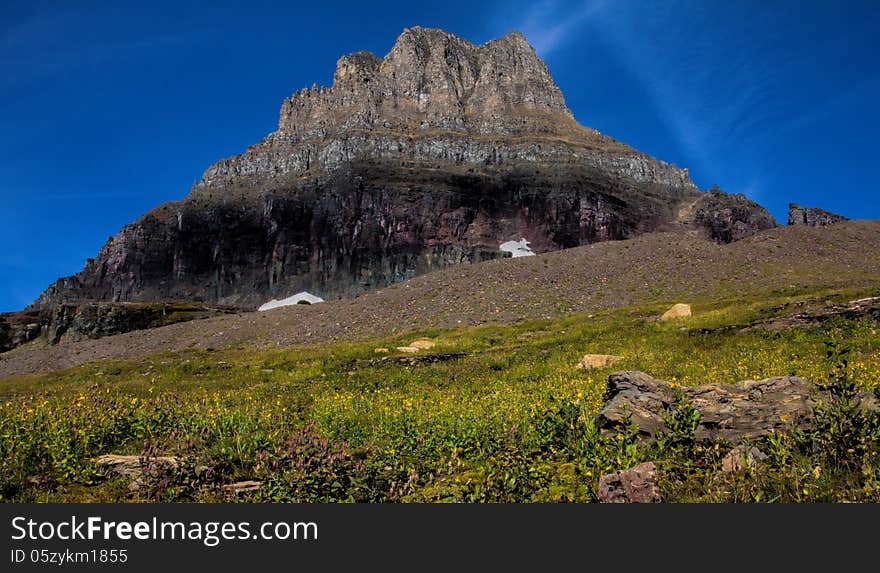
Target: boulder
x,y
598,361
637,484
742,457
731,412
240,487
677,311
132,465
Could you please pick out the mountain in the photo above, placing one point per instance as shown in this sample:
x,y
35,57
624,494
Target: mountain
x,y
432,156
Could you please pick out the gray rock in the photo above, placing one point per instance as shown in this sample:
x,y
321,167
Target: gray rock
x,y
240,487
637,484
133,466
742,457
866,308
731,412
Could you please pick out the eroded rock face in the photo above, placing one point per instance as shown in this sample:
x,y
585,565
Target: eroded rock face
x,y
19,328
429,157
812,216
358,229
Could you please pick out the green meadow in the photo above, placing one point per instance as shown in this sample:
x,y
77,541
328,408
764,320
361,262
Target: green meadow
x,y
500,414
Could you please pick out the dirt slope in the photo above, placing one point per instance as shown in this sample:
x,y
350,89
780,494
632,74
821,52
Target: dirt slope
x,y
657,267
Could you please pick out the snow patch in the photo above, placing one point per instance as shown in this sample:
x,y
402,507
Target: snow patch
x,y
518,248
291,300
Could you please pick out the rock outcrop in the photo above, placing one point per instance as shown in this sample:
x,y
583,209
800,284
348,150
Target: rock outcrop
x,y
861,309
730,412
812,216
78,321
728,218
429,157
17,328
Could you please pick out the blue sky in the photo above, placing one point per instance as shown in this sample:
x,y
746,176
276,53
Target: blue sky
x,y
108,109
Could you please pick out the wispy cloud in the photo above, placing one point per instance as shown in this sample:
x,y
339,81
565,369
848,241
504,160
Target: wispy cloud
x,y
548,24
717,76
707,91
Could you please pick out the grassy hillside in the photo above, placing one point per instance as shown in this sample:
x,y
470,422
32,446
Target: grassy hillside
x,y
500,414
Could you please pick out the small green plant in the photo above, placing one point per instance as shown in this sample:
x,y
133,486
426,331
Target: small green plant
x,y
682,421
845,434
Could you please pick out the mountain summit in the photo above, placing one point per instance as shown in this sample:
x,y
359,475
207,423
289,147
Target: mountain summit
x,y
435,155
434,80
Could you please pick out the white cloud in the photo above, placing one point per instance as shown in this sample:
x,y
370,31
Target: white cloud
x,y
548,24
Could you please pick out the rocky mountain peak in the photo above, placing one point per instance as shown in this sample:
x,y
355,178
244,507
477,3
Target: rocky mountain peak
x,y
432,79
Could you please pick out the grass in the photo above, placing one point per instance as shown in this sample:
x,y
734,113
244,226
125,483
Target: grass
x,y
509,421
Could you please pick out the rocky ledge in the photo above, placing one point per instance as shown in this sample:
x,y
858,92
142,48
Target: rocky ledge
x,y
812,216
94,320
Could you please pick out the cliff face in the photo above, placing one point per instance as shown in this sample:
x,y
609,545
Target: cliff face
x,y
79,321
812,216
431,156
